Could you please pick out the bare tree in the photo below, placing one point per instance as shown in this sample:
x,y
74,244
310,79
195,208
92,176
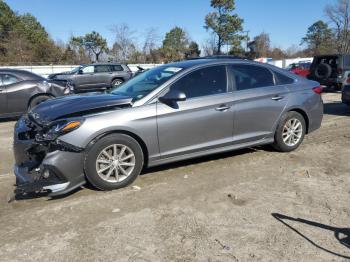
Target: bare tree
x,y
260,46
125,43
339,15
209,47
152,40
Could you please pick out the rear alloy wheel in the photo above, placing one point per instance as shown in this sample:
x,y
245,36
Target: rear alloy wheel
x,y
117,82
290,132
114,161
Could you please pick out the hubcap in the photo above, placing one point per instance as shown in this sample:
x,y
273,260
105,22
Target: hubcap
x,y
115,163
292,132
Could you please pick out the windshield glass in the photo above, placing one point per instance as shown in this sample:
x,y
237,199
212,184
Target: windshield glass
x,y
141,85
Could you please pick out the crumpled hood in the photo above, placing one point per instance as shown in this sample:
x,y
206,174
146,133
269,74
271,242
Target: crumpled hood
x,y
76,105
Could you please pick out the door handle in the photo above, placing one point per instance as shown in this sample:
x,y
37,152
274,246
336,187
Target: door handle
x,y
1,90
277,98
222,108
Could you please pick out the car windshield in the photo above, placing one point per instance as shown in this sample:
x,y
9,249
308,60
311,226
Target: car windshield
x,y
143,84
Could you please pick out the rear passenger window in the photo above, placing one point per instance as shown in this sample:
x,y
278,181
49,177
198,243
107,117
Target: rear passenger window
x,y
116,68
102,68
203,82
282,79
250,76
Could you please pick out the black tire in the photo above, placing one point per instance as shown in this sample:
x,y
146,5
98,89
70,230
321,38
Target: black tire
x,y
280,144
93,153
37,100
323,71
117,82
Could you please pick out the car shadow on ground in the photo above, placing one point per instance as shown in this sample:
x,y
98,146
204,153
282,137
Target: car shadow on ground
x,y
330,90
342,235
337,109
8,119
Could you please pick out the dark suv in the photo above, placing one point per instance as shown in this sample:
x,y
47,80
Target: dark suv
x,y
95,76
331,70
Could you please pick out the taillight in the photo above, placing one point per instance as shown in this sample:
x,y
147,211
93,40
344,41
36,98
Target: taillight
x,y
318,90
340,71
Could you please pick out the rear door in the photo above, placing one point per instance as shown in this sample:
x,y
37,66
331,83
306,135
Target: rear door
x,y
103,75
3,100
258,102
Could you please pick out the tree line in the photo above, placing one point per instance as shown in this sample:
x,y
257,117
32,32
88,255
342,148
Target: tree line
x,y
23,40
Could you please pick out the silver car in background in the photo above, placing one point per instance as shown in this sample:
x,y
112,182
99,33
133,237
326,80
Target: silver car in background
x,y
173,112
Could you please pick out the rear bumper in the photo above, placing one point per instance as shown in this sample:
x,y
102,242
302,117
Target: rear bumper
x,y
41,167
315,115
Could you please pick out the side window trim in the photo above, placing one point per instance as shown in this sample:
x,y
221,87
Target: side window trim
x,y
234,85
275,80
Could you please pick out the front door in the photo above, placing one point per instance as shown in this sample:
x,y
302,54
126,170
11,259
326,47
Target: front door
x,y
202,122
86,79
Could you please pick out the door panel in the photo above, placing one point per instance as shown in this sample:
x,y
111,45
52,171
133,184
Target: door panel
x,y
194,125
103,75
257,111
258,102
86,80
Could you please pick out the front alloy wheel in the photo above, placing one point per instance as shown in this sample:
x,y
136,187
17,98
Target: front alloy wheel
x,y
113,161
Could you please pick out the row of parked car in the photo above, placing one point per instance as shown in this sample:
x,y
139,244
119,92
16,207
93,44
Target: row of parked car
x,y
22,90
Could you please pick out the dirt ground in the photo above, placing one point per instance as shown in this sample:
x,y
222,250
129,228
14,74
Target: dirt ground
x,y
248,205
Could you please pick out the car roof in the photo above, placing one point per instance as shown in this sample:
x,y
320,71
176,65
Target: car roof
x,y
211,61
102,64
23,74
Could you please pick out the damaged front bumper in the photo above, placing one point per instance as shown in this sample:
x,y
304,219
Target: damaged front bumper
x,y
50,166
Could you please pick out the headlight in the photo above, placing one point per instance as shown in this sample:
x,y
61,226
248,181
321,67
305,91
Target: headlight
x,y
65,126
59,128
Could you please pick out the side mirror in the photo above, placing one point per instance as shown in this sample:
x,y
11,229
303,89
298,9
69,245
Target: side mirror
x,y
80,72
172,96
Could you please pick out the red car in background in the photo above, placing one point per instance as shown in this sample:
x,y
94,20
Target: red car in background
x,y
302,69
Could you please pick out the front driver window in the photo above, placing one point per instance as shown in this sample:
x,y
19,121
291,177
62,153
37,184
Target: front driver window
x,y
88,70
203,82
